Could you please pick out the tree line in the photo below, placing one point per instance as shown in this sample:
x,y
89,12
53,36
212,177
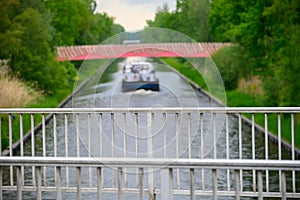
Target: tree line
x,y
264,34
30,31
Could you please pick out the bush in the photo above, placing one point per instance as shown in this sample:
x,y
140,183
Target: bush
x,y
14,93
230,64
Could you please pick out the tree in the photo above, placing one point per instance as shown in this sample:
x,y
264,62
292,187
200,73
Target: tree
x,y
70,18
164,18
193,17
228,60
9,32
35,61
282,42
190,18
268,30
30,30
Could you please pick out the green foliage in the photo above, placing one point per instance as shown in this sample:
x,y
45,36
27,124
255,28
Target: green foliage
x,y
34,60
69,18
9,32
268,31
231,65
30,30
239,99
164,18
76,24
101,27
190,18
193,19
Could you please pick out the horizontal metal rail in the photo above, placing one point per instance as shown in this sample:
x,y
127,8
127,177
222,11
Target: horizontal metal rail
x,y
165,109
153,162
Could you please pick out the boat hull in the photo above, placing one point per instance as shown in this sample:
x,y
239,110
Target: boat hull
x,y
131,86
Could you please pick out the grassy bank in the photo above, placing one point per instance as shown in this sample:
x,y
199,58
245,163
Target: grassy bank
x,y
237,98
14,93
28,100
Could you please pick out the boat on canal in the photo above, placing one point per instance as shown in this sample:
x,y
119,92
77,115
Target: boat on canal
x,y
139,75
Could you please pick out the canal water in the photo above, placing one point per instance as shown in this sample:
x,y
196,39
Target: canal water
x,y
172,135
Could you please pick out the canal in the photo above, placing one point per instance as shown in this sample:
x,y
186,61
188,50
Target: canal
x,y
119,135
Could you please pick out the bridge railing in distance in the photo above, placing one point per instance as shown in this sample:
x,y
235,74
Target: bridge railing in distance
x,y
162,153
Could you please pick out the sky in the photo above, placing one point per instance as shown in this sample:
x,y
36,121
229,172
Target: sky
x,y
132,14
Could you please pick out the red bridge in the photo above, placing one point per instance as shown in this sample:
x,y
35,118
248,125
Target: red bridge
x,y
90,52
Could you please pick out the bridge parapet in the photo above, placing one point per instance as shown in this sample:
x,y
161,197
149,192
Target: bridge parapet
x,y
103,51
164,152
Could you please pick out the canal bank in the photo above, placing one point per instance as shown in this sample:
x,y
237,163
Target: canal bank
x,y
273,137
16,145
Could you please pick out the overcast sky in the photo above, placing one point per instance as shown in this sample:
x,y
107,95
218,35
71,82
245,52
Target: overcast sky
x,y
132,14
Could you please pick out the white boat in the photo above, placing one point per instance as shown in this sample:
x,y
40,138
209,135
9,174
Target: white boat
x,y
139,75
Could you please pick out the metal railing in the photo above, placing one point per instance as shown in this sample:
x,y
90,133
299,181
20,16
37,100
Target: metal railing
x,y
156,152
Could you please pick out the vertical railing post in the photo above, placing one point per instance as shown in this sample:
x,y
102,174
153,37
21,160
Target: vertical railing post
x,y
32,146
136,116
112,118
1,135
44,143
177,147
54,135
19,183
21,144
214,135
141,183
167,183
227,149
39,183
66,148
78,172
150,154
77,135
240,149
58,183
189,136
120,183
100,135
279,144
125,149
202,148
283,185
293,150
237,184
214,184
100,183
10,148
1,181
253,149
164,121
136,127
267,150
260,185
192,184
90,150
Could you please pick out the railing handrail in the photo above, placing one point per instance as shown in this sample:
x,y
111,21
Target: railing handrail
x,y
165,109
152,162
